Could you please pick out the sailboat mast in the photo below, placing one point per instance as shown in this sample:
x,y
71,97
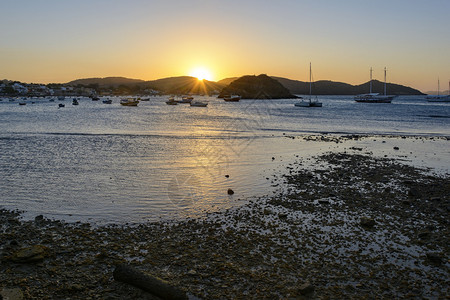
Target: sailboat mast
x,y
310,90
385,81
439,88
370,84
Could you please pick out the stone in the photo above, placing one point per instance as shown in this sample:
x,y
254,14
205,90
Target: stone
x,y
413,193
230,192
434,258
424,234
11,294
31,254
282,215
367,222
396,148
306,288
324,201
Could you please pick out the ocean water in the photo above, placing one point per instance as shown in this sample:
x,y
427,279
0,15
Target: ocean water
x,y
108,163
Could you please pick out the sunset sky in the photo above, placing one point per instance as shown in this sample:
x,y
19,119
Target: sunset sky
x,y
62,40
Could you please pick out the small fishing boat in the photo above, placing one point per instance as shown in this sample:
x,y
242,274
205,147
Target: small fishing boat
x,y
168,102
75,102
309,102
107,101
61,98
22,103
129,102
232,98
374,97
199,104
144,99
186,99
95,98
61,105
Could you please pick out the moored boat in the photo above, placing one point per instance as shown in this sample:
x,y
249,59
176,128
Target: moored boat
x,y
199,104
374,97
186,99
129,102
107,101
61,105
232,98
309,102
439,97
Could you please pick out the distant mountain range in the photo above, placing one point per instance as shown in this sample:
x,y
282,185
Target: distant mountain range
x,y
190,85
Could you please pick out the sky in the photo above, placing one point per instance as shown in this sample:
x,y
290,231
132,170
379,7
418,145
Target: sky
x,y
56,41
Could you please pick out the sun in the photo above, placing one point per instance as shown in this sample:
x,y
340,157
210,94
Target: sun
x,y
201,73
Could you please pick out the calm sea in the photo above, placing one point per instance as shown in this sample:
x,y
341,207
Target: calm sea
x,y
108,163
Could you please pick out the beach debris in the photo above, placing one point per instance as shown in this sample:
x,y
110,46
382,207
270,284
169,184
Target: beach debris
x,y
230,192
153,285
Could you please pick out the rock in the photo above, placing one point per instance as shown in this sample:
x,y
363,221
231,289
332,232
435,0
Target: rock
x,y
11,294
367,222
39,218
434,258
324,201
306,288
282,215
151,284
230,192
413,193
30,254
396,148
424,235
227,176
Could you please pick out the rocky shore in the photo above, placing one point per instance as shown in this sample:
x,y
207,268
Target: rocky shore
x,y
343,225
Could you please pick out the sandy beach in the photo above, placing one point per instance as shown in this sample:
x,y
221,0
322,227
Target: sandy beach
x,y
353,223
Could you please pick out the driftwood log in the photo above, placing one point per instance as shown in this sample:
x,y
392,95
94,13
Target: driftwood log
x,y
153,285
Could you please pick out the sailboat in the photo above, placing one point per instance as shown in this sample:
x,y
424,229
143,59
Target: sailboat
x,y
374,97
309,103
439,97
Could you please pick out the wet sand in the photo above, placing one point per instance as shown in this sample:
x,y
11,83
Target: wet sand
x,y
348,223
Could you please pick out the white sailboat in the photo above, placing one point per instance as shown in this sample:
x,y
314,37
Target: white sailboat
x,y
439,97
310,102
374,97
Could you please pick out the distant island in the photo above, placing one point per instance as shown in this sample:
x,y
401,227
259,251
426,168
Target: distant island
x,y
247,86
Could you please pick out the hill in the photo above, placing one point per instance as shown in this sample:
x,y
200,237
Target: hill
x,y
184,85
227,81
191,85
327,87
106,81
257,87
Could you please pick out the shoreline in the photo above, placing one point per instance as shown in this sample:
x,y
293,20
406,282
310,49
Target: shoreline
x,y
343,224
